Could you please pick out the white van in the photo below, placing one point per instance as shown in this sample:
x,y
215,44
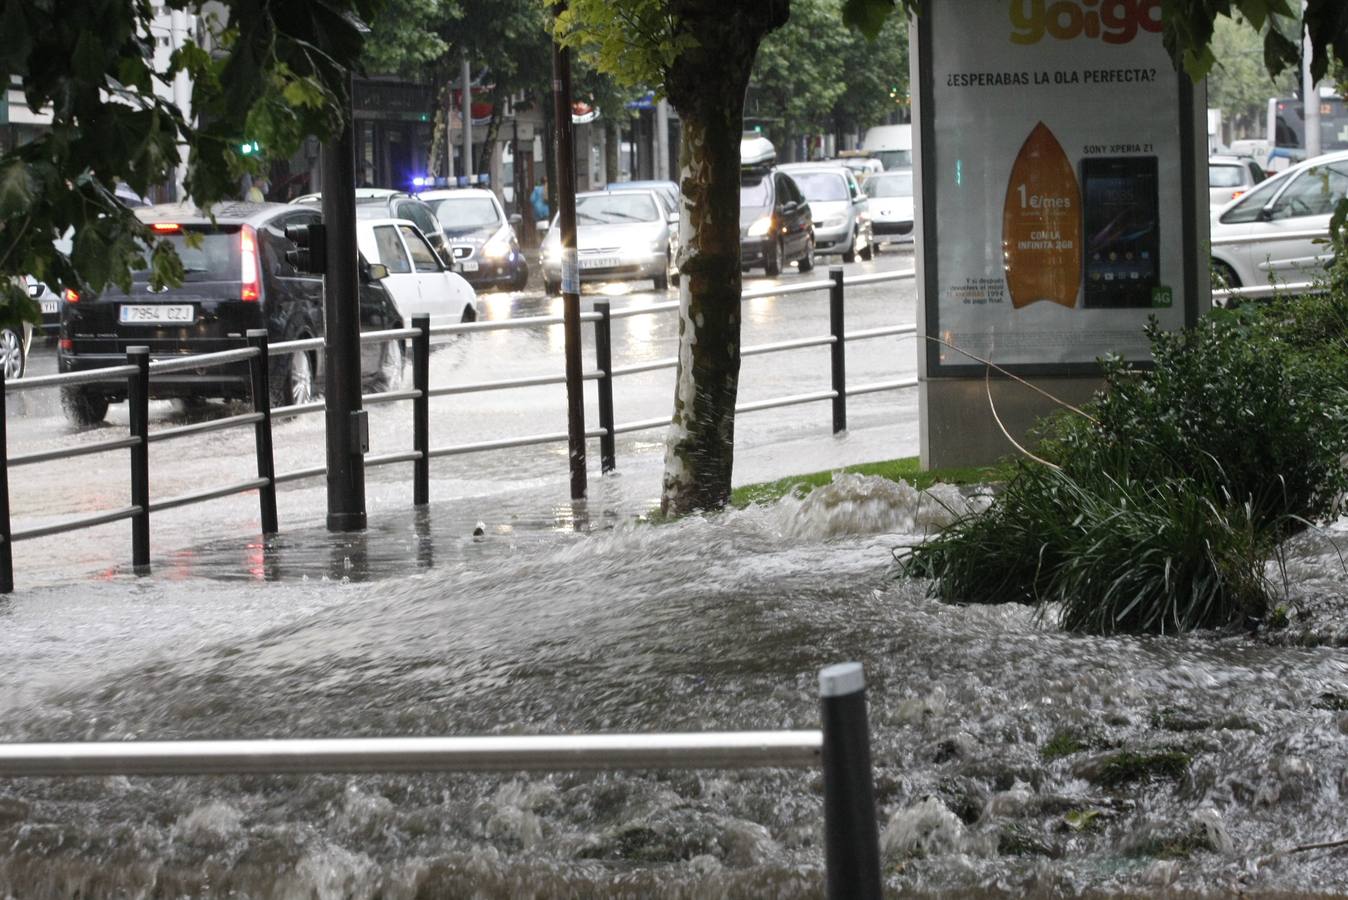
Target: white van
x,y
891,144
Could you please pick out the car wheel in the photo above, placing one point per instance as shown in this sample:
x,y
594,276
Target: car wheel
x,y
295,382
772,266
807,261
850,254
389,375
1223,276
11,354
867,252
82,407
521,277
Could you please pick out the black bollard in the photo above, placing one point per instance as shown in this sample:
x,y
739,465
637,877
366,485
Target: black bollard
x,y
851,838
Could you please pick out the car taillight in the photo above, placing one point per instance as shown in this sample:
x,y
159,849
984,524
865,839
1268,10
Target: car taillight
x,y
167,228
250,289
70,296
67,344
1235,194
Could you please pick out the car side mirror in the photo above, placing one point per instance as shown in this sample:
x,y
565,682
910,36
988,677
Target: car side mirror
x,y
377,271
672,218
1266,213
542,227
790,206
515,219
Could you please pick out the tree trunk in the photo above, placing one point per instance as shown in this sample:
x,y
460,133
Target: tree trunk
x,y
613,141
700,448
439,129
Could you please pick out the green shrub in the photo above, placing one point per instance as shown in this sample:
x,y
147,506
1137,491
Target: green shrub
x,y
1162,506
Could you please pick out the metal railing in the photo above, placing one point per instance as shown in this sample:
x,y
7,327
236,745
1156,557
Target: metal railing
x,y
139,370
841,747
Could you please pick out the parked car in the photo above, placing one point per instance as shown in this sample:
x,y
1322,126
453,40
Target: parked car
x,y
842,224
1231,176
620,235
891,206
481,237
14,346
668,191
50,303
417,280
237,278
863,167
1275,232
382,203
775,225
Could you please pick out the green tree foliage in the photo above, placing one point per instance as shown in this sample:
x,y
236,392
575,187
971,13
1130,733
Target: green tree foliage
x,y
813,76
278,73
1239,84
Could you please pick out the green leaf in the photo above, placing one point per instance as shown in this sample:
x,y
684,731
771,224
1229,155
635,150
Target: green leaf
x,y
17,187
1279,52
867,16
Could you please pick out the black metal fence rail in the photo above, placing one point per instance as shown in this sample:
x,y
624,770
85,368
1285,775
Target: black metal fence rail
x,y
139,370
840,748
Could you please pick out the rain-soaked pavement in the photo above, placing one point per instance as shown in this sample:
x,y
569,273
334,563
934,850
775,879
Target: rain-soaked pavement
x,y
1011,760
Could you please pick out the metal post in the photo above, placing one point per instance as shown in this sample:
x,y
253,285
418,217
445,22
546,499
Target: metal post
x,y
839,348
138,411
259,370
421,410
6,551
851,838
603,358
341,323
566,211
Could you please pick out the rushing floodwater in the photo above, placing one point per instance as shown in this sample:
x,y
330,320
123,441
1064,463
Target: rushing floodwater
x,y
705,624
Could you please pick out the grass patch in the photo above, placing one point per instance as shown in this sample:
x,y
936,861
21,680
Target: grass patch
x,y
1115,770
907,469
1064,742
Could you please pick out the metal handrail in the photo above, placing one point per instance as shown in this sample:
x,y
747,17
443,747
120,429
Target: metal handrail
x,y
168,434
209,494
785,401
70,452
68,379
876,387
504,383
779,346
502,444
102,518
884,331
1260,290
201,360
706,750
667,362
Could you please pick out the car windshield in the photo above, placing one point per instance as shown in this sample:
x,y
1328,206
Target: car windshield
x,y
754,194
467,212
215,257
821,186
1224,176
890,185
895,159
615,209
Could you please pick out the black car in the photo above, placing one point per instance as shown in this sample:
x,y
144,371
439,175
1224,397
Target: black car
x,y
237,278
486,249
775,224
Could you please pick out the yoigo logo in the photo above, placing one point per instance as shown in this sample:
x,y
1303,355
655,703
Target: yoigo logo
x,y
1113,21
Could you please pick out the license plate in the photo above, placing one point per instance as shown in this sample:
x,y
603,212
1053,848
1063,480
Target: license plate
x,y
469,265
50,306
599,262
157,315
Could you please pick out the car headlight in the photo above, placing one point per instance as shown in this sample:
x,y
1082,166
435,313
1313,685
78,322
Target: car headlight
x,y
498,247
835,222
761,227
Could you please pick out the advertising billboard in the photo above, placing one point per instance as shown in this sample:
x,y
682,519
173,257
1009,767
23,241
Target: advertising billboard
x,y
1055,151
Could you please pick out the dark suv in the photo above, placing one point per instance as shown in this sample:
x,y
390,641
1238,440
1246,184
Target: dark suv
x,y
237,278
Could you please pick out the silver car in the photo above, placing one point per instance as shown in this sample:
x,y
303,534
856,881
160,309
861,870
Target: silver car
x,y
891,205
620,236
842,223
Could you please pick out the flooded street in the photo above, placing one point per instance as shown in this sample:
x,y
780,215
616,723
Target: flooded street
x,y
1011,760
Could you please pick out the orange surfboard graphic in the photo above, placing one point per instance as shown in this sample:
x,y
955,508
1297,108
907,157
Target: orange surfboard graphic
x,y
1041,224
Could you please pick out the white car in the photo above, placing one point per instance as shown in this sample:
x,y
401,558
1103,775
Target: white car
x,y
891,205
417,280
1229,177
1275,232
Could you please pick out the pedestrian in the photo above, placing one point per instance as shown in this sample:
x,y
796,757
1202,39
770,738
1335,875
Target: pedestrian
x,y
257,191
539,200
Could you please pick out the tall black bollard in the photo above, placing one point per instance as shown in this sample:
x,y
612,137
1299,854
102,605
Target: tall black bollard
x,y
851,838
259,371
138,411
421,410
839,349
603,357
6,552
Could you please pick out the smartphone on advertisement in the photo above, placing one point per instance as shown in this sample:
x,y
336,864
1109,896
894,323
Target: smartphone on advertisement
x,y
1122,232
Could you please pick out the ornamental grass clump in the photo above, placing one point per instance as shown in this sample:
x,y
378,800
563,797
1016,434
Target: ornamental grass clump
x,y
1157,508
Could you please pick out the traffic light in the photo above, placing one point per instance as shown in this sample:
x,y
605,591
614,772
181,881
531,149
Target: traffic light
x,y
248,148
311,248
